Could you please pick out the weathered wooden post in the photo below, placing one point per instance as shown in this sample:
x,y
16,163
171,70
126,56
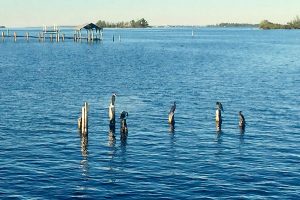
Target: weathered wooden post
x,y
15,36
27,36
219,116
171,117
83,120
112,112
63,37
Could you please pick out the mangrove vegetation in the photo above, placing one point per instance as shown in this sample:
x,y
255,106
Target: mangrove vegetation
x,y
141,23
294,24
235,25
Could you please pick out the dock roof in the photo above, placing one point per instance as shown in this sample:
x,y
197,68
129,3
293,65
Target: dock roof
x,y
88,26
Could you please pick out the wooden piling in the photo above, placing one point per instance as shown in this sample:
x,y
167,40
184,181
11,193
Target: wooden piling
x,y
83,120
27,36
3,35
15,36
79,123
63,37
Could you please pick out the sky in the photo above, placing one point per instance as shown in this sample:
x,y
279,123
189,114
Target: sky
x,y
26,13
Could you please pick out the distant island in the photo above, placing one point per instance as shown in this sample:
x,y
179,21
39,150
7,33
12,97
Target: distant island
x,y
294,24
141,23
2,26
234,25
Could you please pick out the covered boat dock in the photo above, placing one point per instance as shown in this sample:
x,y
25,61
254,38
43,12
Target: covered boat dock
x,y
93,32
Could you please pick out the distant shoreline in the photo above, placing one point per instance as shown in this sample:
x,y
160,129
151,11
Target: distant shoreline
x,y
234,25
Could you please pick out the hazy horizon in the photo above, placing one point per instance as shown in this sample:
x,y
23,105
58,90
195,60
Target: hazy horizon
x,y
36,13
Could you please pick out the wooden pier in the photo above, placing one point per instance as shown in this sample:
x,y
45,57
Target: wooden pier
x,y
93,34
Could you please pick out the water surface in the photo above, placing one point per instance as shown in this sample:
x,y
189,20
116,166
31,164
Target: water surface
x,y
44,85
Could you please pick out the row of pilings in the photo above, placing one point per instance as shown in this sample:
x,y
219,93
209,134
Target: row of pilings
x,y
55,37
41,36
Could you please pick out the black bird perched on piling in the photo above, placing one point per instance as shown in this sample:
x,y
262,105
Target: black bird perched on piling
x,y
219,115
242,122
171,119
124,129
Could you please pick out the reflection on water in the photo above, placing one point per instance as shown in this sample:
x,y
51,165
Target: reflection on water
x,y
242,133
242,130
84,152
218,126
218,137
123,140
172,128
84,145
193,158
111,137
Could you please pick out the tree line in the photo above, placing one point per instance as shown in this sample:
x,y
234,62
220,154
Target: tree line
x,y
294,24
141,23
233,25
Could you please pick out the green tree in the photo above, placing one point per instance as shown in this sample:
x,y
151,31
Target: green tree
x,y
295,23
141,23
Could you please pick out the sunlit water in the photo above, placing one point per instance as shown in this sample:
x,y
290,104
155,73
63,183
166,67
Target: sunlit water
x,y
44,85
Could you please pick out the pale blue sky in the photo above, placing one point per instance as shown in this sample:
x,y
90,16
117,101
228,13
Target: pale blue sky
x,y
19,13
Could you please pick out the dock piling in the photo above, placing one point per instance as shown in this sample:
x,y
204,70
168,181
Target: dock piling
x,y
83,120
27,36
15,36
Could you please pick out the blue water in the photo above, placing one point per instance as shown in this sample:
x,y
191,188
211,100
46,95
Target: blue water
x,y
44,85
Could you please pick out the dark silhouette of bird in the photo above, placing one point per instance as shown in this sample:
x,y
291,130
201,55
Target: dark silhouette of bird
x,y
242,122
124,129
